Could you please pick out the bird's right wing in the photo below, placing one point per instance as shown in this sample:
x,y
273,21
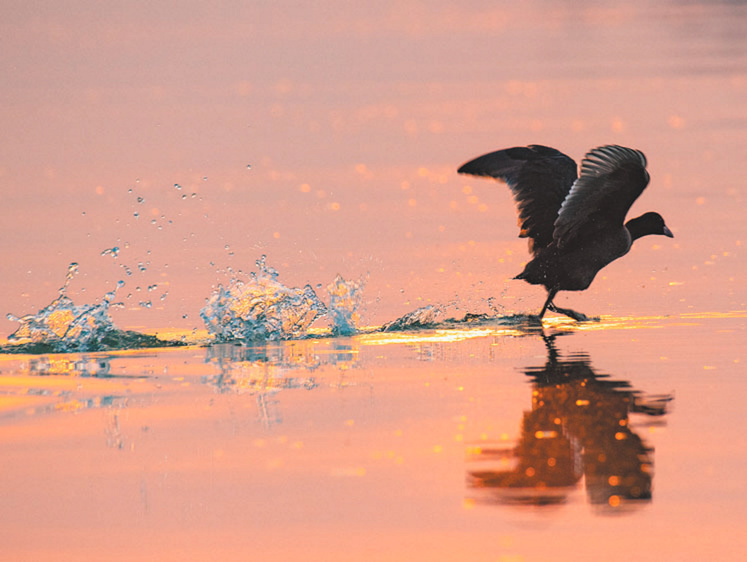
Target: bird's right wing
x,y
540,178
612,177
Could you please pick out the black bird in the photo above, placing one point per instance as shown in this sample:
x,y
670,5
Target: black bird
x,y
575,224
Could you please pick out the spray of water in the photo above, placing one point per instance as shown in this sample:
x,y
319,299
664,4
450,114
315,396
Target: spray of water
x,y
62,326
345,298
261,308
424,317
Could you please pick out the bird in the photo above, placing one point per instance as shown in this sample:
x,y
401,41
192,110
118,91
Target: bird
x,y
575,222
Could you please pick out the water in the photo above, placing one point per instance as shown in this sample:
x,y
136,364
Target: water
x,y
485,437
62,326
345,300
258,309
582,427
376,387
261,308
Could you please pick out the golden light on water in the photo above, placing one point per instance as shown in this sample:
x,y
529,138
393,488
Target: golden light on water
x,y
428,336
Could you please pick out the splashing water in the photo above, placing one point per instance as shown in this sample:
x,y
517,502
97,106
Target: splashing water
x,y
345,298
424,317
65,326
114,252
261,309
62,326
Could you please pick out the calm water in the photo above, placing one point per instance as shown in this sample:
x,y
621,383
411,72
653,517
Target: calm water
x,y
165,150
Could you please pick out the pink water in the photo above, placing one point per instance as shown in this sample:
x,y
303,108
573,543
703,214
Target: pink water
x,y
327,137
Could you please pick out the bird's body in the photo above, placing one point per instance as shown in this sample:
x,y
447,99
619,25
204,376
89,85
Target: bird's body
x,y
575,269
575,224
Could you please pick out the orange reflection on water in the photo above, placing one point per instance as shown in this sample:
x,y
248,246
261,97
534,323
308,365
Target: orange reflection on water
x,y
578,427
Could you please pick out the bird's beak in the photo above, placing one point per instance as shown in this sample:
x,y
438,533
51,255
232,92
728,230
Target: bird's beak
x,y
668,232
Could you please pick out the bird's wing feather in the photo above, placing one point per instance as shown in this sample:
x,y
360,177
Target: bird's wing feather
x,y
612,178
540,179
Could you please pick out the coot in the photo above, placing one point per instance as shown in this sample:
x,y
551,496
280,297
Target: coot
x,y
575,224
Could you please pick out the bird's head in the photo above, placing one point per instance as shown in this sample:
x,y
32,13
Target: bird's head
x,y
648,223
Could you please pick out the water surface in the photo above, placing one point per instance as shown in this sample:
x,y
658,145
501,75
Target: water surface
x,y
615,441
162,152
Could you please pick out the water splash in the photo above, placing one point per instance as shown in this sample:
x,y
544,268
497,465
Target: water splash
x,y
345,298
62,326
423,317
261,308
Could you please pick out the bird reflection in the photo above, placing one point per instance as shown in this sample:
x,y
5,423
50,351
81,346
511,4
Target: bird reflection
x,y
579,426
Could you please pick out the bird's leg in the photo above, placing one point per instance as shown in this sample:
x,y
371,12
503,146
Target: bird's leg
x,y
548,303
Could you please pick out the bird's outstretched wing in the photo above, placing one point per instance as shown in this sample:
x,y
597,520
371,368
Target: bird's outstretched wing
x,y
540,178
612,177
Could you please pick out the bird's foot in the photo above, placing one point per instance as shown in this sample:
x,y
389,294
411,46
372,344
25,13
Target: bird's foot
x,y
577,316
